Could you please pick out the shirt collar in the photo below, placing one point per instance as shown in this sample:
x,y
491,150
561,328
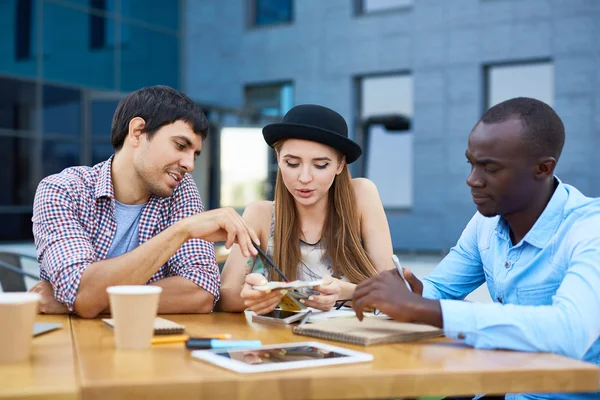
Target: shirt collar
x,y
545,226
104,185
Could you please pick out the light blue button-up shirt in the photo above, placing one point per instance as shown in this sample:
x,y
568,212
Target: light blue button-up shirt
x,y
546,288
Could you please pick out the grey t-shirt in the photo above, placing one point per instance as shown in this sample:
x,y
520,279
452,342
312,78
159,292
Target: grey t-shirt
x,y
128,227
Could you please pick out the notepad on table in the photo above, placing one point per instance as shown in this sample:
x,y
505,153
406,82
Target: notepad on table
x,y
368,332
161,326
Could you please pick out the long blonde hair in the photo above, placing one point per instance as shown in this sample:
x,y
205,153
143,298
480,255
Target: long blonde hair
x,y
341,231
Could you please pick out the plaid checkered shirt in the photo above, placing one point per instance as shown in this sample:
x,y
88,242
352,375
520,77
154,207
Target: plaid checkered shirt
x,y
74,225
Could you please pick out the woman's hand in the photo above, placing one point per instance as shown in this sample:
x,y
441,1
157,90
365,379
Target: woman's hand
x,y
258,301
330,291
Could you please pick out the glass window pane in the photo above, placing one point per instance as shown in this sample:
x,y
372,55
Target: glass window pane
x,y
528,80
59,155
270,100
70,41
17,105
268,12
15,176
62,111
101,152
150,58
101,117
383,5
163,13
17,37
244,162
387,148
16,227
387,95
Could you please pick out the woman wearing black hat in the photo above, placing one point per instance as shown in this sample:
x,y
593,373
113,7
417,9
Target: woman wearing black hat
x,y
322,224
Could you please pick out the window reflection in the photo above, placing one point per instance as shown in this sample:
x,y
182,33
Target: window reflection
x,y
16,226
70,58
62,111
101,152
140,64
164,13
270,100
101,117
269,12
17,105
15,176
59,155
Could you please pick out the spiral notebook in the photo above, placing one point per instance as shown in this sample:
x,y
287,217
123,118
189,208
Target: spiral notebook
x,y
368,332
161,326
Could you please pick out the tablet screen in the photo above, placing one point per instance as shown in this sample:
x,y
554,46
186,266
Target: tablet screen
x,y
280,355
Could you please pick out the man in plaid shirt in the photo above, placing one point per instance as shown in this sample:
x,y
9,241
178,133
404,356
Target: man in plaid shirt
x,y
136,218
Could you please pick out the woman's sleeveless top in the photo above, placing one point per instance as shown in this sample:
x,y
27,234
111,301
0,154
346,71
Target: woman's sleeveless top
x,y
314,263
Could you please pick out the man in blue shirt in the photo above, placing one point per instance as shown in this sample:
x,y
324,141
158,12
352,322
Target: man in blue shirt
x,y
534,241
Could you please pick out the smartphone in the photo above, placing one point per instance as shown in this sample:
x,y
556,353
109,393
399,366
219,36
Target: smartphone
x,y
279,317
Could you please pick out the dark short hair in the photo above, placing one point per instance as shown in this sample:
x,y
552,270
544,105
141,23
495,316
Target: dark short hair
x,y
543,131
158,106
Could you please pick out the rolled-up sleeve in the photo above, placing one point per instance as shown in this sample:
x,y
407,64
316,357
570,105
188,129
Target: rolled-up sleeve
x,y
196,259
64,248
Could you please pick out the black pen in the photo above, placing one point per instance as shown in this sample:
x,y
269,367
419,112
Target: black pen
x,y
271,264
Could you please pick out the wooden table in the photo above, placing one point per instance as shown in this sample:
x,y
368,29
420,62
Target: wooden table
x,y
429,368
51,372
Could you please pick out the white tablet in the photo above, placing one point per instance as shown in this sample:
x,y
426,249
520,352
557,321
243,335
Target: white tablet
x,y
279,357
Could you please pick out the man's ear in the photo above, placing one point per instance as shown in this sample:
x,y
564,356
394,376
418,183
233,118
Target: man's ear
x,y
136,130
545,168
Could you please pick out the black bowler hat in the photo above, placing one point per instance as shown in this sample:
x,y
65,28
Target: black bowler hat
x,y
315,123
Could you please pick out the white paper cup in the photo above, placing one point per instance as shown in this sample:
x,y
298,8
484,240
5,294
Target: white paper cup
x,y
17,313
133,310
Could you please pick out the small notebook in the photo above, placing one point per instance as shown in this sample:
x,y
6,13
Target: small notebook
x,y
369,331
161,326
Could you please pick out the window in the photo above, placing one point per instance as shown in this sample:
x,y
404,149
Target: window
x,y
62,111
270,100
103,28
102,109
244,166
374,6
505,81
386,110
247,167
26,29
17,105
271,12
72,61
163,70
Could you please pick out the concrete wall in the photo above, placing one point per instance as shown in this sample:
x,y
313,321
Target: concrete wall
x,y
444,44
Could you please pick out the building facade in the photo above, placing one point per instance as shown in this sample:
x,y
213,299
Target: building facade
x,y
64,65
411,77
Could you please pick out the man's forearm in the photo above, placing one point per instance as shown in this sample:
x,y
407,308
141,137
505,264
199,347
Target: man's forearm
x,y
133,268
182,296
428,312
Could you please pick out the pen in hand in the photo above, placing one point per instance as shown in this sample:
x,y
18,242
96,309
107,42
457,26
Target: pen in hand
x,y
400,271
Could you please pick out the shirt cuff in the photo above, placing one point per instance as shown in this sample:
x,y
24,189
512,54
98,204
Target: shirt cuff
x,y
428,291
459,320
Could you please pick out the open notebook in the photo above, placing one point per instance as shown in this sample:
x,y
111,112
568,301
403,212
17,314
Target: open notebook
x,y
369,331
161,326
